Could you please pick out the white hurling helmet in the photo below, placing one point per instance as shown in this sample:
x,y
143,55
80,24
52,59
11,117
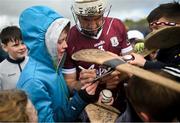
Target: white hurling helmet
x,y
88,8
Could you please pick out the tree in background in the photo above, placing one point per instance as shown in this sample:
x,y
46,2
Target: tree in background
x,y
141,25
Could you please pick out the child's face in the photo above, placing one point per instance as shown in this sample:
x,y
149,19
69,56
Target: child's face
x,y
62,43
16,50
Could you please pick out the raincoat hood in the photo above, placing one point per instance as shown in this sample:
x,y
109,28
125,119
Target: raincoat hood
x,y
43,84
42,35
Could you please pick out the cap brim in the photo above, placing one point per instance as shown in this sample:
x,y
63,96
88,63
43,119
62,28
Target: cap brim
x,y
163,38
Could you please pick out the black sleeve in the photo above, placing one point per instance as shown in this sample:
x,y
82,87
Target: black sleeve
x,y
89,98
153,65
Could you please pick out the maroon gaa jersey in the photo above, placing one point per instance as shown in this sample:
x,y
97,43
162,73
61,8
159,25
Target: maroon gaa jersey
x,y
113,38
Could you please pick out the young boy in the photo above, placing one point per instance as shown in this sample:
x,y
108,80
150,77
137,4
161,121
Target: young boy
x,y
152,102
165,15
11,67
41,79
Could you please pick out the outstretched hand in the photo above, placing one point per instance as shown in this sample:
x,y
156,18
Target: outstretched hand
x,y
139,60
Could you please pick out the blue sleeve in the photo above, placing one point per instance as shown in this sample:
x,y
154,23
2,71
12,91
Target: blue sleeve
x,y
73,107
69,110
39,96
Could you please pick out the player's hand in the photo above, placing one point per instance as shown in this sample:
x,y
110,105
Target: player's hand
x,y
87,76
111,80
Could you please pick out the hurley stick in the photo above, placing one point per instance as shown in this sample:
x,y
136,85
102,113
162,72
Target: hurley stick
x,y
113,61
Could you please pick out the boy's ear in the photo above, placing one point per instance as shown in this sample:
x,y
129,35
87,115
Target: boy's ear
x,y
4,47
145,117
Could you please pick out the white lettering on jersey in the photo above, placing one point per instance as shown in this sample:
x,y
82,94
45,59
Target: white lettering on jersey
x,y
100,43
114,42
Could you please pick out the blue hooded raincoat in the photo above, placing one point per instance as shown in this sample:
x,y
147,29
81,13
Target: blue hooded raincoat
x,y
48,91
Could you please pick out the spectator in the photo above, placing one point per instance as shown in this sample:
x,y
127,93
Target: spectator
x,y
12,66
152,102
15,107
134,35
165,15
45,33
136,38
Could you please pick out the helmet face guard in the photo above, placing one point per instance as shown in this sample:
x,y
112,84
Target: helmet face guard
x,y
89,12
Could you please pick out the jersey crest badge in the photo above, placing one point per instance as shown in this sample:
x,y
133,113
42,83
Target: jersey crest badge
x,y
114,42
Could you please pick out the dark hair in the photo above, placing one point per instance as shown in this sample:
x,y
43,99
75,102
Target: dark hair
x,y
13,106
10,33
159,102
170,11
